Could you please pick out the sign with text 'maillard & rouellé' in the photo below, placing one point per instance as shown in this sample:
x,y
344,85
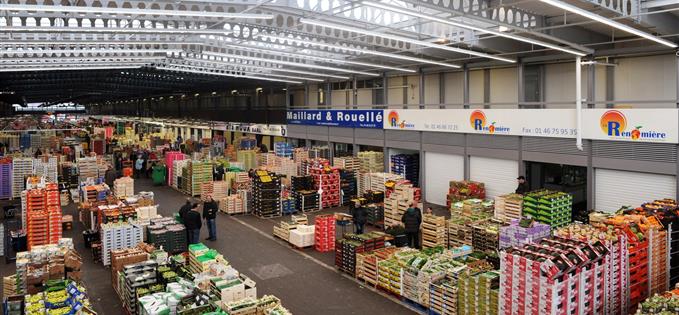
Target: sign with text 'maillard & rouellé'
x,y
337,118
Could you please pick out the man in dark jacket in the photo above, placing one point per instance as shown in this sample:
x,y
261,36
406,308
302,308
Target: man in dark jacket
x,y
219,172
360,216
110,176
523,186
412,219
193,224
210,215
185,209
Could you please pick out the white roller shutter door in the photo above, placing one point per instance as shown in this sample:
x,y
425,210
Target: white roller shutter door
x,y
440,169
614,189
498,175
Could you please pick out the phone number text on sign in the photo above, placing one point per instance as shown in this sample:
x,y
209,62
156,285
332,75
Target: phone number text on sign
x,y
555,132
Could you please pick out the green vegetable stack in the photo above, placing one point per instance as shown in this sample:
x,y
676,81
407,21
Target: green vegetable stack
x,y
549,207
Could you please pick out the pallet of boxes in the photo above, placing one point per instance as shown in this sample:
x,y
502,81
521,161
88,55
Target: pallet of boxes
x,y
398,202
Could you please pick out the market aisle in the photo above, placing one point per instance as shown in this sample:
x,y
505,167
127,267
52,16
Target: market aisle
x,y
304,286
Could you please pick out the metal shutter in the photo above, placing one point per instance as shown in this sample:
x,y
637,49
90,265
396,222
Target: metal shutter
x,y
498,175
439,170
614,189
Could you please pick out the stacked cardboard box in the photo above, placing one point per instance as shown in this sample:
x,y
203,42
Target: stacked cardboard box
x,y
407,166
266,195
520,232
46,166
486,236
398,202
167,234
21,169
460,228
123,187
248,158
194,175
118,236
327,182
324,230
347,249
549,207
233,204
478,293
43,216
469,206
88,168
123,257
283,149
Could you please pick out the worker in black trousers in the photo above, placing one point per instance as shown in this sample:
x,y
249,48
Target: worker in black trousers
x,y
359,216
412,219
193,223
210,215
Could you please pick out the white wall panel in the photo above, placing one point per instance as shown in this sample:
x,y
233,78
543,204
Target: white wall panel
x,y
339,98
431,89
504,87
499,176
476,88
614,189
646,78
440,169
395,90
313,96
413,89
453,85
560,84
365,97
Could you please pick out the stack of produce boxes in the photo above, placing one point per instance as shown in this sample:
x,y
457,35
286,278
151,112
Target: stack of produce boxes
x,y
366,264
433,231
21,169
248,158
178,166
233,204
167,234
283,149
369,162
549,207
473,205
486,236
306,198
443,295
478,290
123,187
266,195
348,186
327,181
508,207
118,236
324,238
170,157
406,165
463,190
375,214
398,202
557,275
45,166
667,212
299,155
87,168
615,262
460,227
136,276
43,215
347,249
522,231
348,163
194,175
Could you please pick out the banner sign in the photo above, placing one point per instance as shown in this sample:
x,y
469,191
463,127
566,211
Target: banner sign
x,y
513,122
337,118
260,129
642,125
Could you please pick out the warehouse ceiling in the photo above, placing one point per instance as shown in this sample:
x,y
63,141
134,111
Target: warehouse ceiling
x,y
90,51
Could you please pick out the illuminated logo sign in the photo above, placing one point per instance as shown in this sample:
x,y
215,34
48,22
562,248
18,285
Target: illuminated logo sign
x,y
396,123
479,122
614,124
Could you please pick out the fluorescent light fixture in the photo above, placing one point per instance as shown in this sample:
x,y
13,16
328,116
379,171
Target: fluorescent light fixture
x,y
317,58
113,30
289,63
65,68
125,11
74,64
228,64
361,51
252,72
403,39
609,22
90,51
60,42
49,60
225,74
500,33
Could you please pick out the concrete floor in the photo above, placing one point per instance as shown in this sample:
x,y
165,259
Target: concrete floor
x,y
305,280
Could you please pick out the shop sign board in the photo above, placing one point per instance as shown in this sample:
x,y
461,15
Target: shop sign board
x,y
642,125
260,129
337,118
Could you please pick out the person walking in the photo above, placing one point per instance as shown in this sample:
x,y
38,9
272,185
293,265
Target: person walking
x,y
412,219
139,166
193,224
359,216
210,215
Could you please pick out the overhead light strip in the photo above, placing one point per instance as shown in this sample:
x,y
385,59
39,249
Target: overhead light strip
x,y
405,11
317,58
126,11
609,22
220,63
65,68
59,42
90,51
289,63
403,39
252,72
225,74
111,30
74,64
10,60
361,51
